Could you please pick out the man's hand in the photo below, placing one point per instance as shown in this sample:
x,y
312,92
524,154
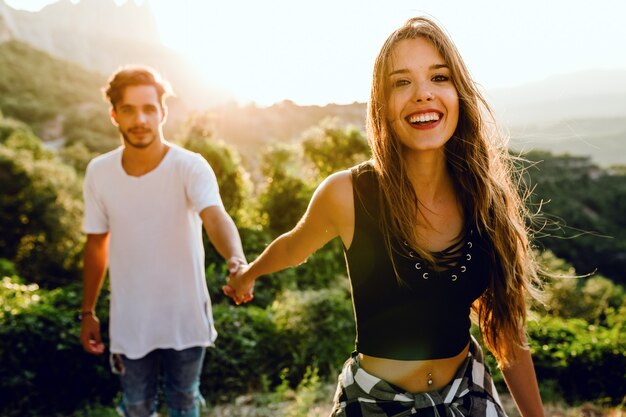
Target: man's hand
x,y
90,335
239,286
233,263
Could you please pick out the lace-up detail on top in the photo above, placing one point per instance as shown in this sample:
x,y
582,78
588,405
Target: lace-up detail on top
x,y
451,262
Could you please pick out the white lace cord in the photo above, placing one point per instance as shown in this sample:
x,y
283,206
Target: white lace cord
x,y
454,407
433,403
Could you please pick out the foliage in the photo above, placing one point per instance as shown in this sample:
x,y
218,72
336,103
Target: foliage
x,y
583,209
332,149
90,124
44,368
9,126
234,181
568,295
580,335
57,85
250,127
307,393
587,361
317,327
77,155
245,351
247,355
41,208
286,195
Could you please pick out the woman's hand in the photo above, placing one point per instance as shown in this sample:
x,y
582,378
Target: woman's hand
x,y
240,285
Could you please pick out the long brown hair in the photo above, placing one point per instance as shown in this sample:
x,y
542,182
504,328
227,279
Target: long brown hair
x,y
482,170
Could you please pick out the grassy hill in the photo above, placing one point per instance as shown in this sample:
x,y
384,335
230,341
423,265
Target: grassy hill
x,y
36,88
60,100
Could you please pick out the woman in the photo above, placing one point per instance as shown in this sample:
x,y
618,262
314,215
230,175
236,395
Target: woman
x,y
433,230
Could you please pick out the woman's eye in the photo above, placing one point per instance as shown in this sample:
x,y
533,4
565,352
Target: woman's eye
x,y
441,78
400,83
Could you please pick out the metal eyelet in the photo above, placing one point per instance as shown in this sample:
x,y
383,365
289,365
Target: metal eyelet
x,y
469,257
425,276
405,243
412,254
469,244
454,277
463,268
418,266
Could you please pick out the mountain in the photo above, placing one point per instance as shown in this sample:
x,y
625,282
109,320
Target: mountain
x,y
578,95
581,113
102,36
60,100
602,138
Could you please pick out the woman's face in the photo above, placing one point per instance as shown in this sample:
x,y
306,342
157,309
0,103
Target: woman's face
x,y
423,104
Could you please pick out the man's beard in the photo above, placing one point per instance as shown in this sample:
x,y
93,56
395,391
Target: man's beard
x,y
141,145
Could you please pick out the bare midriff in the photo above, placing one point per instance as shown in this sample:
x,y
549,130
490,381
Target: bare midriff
x,y
414,376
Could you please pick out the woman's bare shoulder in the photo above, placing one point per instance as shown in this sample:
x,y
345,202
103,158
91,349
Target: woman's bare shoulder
x,y
337,187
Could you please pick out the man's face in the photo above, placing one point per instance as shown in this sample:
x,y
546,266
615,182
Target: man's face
x,y
139,116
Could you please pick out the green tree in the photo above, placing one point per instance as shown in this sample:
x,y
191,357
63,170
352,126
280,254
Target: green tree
x,y
583,206
57,85
286,195
235,185
40,211
90,125
331,148
76,155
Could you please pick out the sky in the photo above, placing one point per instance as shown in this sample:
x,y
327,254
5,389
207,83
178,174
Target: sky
x,y
316,52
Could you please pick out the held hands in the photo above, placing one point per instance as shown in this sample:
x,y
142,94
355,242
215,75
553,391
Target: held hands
x,y
239,287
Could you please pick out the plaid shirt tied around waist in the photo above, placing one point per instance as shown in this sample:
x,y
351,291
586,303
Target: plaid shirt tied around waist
x,y
470,393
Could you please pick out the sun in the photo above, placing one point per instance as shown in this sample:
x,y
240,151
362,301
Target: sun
x,y
267,52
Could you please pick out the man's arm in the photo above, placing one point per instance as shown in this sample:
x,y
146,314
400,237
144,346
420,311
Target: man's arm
x,y
521,379
223,234
95,264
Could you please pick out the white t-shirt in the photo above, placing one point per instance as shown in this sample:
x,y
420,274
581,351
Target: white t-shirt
x,y
159,297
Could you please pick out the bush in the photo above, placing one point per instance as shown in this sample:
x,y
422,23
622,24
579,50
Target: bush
x,y
40,214
245,355
331,148
234,181
316,328
44,368
570,296
261,348
587,361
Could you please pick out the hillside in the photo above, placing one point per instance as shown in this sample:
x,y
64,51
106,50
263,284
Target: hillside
x,y
603,139
36,88
582,212
582,113
59,99
102,36
577,95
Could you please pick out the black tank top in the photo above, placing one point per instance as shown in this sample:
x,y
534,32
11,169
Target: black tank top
x,y
428,317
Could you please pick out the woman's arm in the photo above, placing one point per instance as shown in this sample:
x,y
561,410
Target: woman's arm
x,y
521,379
330,214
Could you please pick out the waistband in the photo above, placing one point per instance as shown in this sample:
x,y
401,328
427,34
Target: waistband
x,y
471,392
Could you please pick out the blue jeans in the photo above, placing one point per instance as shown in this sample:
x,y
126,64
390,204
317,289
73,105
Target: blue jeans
x,y
181,380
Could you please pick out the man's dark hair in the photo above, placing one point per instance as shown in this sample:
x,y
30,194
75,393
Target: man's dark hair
x,y
132,76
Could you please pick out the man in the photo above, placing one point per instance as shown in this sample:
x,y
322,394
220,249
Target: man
x,y
144,205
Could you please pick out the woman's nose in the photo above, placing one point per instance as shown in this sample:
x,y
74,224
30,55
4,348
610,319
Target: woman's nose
x,y
423,93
